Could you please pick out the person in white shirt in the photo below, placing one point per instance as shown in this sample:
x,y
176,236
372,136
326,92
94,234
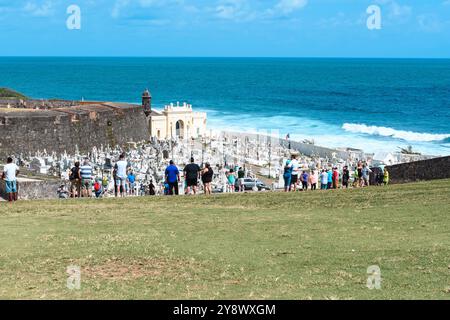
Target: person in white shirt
x,y
10,172
294,177
366,175
324,180
121,168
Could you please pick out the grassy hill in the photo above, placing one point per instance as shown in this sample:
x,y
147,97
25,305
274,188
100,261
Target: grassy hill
x,y
315,245
10,94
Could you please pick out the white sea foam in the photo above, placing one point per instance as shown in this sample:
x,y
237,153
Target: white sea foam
x,y
390,132
332,136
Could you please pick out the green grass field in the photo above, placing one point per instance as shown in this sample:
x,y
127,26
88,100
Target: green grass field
x,y
315,245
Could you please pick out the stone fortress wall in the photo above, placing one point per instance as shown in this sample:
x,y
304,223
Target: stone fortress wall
x,y
36,103
431,169
64,128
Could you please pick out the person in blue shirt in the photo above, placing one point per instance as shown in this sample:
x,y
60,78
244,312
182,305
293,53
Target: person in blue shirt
x,y
287,176
166,188
172,178
330,179
131,182
304,178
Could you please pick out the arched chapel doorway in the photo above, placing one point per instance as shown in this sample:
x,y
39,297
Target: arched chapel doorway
x,y
180,129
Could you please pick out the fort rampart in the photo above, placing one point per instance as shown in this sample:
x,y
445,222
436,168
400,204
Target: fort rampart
x,y
24,131
437,168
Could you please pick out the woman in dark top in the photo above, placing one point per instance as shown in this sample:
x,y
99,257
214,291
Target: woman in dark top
x,y
360,177
207,176
151,188
345,177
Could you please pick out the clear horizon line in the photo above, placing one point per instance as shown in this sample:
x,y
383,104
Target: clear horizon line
x,y
226,57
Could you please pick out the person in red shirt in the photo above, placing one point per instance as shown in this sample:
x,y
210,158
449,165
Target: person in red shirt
x,y
335,178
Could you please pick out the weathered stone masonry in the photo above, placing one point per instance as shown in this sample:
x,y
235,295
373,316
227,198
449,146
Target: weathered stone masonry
x,y
62,129
438,168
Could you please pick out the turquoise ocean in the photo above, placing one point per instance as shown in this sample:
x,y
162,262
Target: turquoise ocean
x,y
373,104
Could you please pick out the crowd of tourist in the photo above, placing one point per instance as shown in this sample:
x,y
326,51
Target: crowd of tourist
x,y
329,178
84,184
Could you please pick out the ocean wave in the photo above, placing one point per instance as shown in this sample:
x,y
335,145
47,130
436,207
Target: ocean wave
x,y
393,133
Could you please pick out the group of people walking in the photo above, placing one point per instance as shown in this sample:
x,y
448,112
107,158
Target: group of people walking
x,y
328,178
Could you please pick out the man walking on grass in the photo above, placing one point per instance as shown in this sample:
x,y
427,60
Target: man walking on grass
x,y
10,172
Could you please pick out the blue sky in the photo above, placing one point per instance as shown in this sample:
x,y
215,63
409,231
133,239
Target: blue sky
x,y
274,28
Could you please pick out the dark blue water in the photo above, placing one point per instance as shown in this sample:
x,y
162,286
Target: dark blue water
x,y
375,104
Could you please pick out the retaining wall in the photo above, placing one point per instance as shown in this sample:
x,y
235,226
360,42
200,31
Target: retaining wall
x,y
33,189
432,169
27,131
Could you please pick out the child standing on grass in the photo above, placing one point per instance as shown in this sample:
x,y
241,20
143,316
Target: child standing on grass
x,y
131,179
98,188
